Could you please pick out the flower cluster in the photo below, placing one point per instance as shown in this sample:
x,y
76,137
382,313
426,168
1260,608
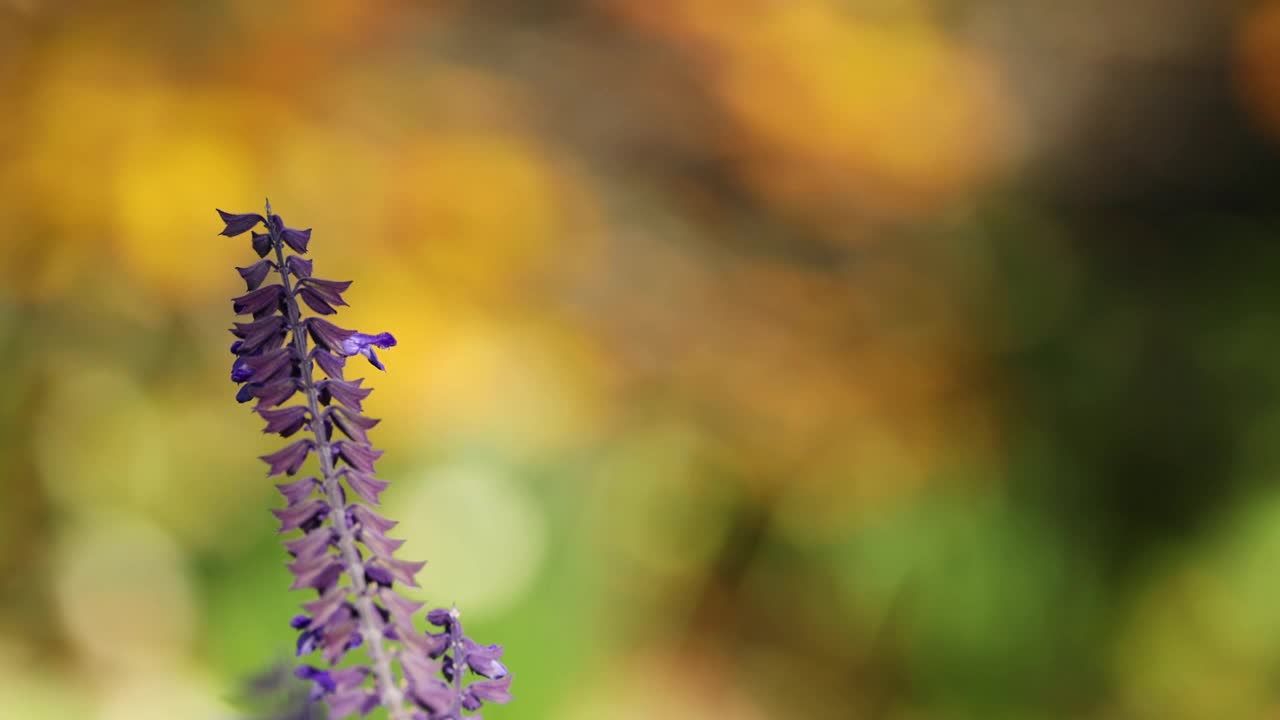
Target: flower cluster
x,y
343,553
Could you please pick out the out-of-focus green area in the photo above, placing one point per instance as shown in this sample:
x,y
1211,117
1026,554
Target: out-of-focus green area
x,y
815,359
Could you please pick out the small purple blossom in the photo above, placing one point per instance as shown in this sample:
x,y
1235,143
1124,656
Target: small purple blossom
x,y
415,675
362,344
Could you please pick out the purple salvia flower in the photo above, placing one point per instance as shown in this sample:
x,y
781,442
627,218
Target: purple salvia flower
x,y
415,675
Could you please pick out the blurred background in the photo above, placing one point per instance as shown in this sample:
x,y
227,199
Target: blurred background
x,y
898,359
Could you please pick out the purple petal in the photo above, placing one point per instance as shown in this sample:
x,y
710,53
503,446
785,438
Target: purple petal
x,y
262,244
288,459
494,691
353,425
315,302
349,677
285,421
320,677
321,577
483,659
266,365
331,364
238,223
436,696
328,290
420,643
437,643
328,336
296,516
360,457
378,574
300,622
442,617
298,265
339,638
345,703
308,641
370,519
349,394
260,300
311,545
245,330
323,609
296,239
276,392
378,544
256,273
258,335
419,672
366,486
240,372
401,607
405,571
298,490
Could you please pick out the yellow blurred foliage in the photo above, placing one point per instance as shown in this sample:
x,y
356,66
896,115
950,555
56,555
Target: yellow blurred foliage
x,y
122,162
829,109
162,204
490,202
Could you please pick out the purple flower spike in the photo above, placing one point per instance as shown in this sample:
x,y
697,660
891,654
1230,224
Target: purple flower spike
x,y
340,552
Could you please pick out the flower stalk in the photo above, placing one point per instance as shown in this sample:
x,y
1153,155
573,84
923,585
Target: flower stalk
x,y
389,694
414,675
